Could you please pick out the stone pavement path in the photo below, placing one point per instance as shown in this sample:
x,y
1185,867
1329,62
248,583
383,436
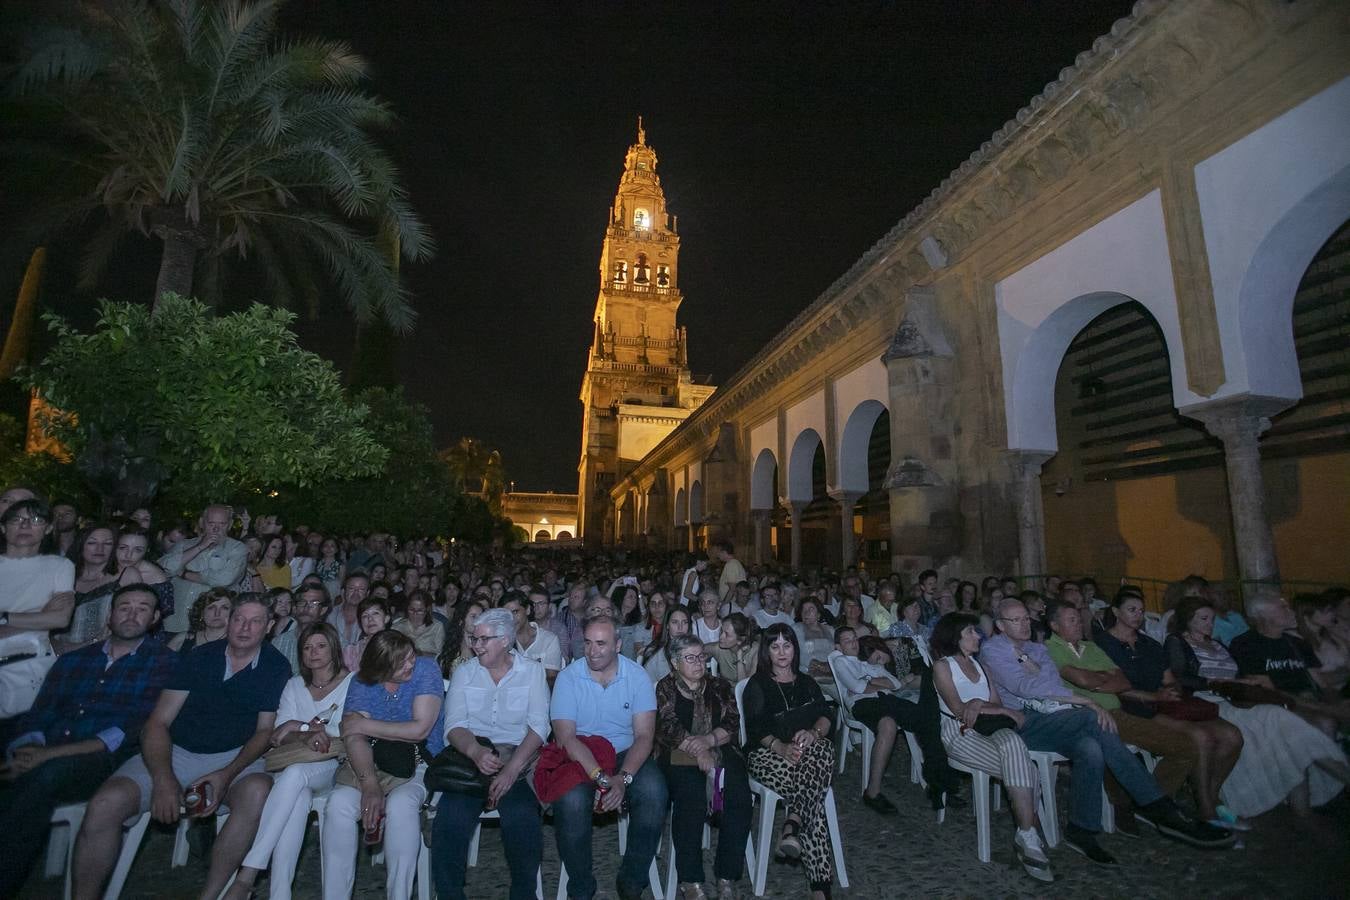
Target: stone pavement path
x,y
907,855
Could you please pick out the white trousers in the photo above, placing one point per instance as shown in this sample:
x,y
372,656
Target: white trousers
x,y
281,829
402,839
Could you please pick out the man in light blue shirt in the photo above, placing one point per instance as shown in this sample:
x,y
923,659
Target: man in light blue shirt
x,y
605,694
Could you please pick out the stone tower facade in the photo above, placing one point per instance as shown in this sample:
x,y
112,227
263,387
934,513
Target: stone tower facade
x,y
637,387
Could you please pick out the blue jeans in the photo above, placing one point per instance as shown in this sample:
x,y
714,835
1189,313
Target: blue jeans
x,y
1075,734
26,805
647,804
452,829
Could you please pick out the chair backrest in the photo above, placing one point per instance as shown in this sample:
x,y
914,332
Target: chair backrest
x,y
839,688
740,705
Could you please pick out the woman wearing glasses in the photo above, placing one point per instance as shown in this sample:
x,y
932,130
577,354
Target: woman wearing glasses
x,y
696,724
502,696
36,597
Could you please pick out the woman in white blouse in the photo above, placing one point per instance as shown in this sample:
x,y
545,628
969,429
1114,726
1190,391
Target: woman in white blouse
x,y
36,597
503,697
310,714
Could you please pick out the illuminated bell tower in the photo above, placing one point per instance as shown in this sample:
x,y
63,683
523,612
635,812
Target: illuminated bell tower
x,y
637,385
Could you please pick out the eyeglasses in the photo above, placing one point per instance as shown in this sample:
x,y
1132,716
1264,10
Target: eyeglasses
x,y
1016,621
307,603
693,658
27,521
475,640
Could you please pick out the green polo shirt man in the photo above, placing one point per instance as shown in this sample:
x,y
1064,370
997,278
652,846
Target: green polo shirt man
x,y
1087,669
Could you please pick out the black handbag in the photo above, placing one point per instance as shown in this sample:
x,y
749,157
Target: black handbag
x,y
398,759
454,772
988,725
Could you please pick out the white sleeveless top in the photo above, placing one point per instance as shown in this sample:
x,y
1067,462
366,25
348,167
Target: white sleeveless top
x,y
966,689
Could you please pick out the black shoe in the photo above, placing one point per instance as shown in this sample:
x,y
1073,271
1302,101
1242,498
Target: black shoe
x,y
955,799
1126,826
1171,822
1085,842
880,805
627,891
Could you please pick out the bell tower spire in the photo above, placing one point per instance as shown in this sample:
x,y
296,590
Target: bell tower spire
x,y
637,386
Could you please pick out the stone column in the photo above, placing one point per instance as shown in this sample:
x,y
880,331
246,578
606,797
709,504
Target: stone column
x,y
1026,471
847,500
760,522
798,509
1239,423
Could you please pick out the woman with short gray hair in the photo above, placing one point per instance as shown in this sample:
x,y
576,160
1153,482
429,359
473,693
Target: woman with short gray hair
x,y
697,729
500,697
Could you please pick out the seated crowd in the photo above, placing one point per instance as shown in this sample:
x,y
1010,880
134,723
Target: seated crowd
x,y
238,667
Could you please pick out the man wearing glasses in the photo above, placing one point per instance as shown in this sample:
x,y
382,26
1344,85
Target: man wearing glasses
x,y
1060,721
310,606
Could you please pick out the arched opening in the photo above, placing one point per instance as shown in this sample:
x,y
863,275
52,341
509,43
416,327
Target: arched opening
x,y
542,535
822,529
564,535
763,477
1135,488
1306,452
872,514
697,514
681,518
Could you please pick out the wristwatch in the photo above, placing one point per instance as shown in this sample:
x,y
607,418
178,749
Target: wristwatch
x,y
627,779
4,619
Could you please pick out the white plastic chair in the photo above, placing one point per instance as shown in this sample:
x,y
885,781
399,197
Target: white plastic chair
x,y
848,727
180,842
1046,807
130,844
984,789
672,876
768,805
473,849
653,874
66,821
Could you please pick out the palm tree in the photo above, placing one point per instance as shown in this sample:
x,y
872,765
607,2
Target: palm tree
x,y
210,132
475,469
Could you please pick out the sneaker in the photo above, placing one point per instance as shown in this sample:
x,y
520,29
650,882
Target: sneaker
x,y
1226,818
1032,856
1171,822
691,890
880,805
726,889
1085,842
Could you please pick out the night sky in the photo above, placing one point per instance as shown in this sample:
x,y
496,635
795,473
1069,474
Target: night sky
x,y
790,138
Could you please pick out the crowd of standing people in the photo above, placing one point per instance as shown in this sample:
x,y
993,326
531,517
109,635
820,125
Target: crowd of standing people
x,y
403,688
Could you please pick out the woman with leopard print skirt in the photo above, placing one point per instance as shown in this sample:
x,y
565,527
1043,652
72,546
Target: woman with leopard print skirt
x,y
788,722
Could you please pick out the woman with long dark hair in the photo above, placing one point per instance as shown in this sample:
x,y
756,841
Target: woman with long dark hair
x,y
788,723
91,551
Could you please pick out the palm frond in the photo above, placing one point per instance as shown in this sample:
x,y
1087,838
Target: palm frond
x,y
62,55
238,32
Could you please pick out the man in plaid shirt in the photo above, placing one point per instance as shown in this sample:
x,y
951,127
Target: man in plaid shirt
x,y
85,723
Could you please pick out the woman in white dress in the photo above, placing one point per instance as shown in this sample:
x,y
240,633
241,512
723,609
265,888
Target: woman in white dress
x,y
1283,757
310,714
36,597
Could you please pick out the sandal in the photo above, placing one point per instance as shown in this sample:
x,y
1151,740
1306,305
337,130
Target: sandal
x,y
788,845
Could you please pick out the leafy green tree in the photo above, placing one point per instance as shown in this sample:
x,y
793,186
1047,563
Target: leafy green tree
x,y
53,478
200,407
412,495
193,121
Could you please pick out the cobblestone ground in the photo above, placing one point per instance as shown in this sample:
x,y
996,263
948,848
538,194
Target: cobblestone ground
x,y
907,855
